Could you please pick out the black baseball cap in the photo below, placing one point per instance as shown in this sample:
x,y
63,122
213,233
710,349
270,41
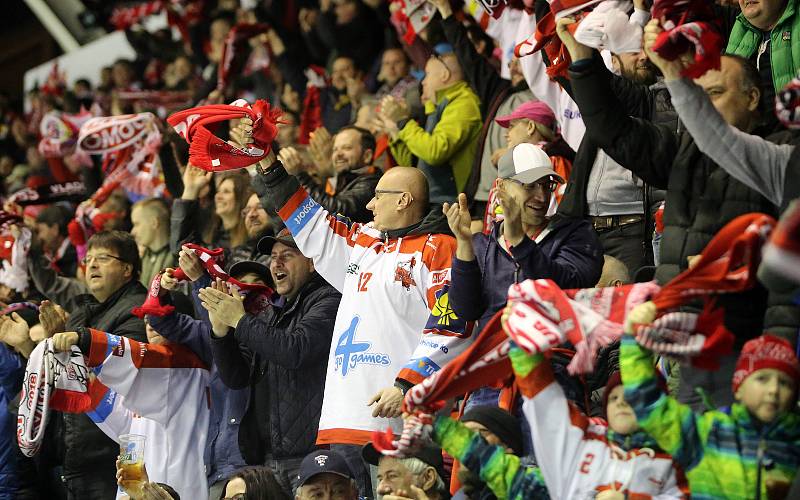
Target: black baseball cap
x,y
499,422
250,266
284,236
320,462
431,455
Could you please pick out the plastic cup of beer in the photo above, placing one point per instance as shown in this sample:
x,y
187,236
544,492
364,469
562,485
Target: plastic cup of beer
x,y
131,458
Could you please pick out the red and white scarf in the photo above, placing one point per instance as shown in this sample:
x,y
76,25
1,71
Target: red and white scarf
x,y
543,316
257,297
211,153
688,25
89,219
53,381
589,318
163,102
14,270
129,145
59,132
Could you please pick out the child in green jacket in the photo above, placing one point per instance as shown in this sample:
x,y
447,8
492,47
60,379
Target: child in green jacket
x,y
751,450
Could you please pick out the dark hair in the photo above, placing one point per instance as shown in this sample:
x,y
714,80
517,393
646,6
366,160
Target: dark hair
x,y
170,490
750,76
55,214
120,242
476,34
367,139
242,192
260,484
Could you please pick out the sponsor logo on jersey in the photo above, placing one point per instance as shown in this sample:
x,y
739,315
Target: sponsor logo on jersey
x,y
350,352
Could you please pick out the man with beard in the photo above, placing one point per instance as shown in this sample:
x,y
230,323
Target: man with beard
x,y
351,178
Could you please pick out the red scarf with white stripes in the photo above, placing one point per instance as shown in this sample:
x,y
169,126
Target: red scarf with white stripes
x,y
257,297
211,153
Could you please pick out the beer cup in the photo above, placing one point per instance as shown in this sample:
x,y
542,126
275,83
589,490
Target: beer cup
x,y
131,458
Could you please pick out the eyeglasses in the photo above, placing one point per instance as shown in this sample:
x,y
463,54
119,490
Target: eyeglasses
x,y
246,210
101,259
379,192
547,186
238,496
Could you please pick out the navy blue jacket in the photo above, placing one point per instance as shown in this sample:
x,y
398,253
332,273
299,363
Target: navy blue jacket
x,y
11,374
222,456
569,254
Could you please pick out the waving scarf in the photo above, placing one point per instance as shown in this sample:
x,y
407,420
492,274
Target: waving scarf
x,y
787,104
49,193
14,269
688,24
542,316
545,38
257,297
129,145
211,153
59,132
53,381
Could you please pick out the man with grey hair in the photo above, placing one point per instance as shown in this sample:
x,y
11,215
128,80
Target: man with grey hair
x,y
409,477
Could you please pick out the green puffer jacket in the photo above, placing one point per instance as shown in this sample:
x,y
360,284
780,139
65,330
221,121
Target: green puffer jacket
x,y
784,44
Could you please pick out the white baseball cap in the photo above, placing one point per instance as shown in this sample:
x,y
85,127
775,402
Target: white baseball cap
x,y
526,163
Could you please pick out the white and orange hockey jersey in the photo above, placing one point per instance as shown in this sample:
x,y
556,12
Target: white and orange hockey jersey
x,y
158,391
578,457
394,320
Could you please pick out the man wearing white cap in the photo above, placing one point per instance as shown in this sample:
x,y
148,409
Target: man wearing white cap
x,y
527,244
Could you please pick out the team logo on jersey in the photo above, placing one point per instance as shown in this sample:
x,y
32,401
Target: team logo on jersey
x,y
404,273
443,319
350,353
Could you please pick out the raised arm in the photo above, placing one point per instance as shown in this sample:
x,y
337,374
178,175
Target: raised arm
x,y
673,425
553,420
750,159
325,238
501,471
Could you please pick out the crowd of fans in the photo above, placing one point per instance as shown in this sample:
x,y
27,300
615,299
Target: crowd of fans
x,y
346,249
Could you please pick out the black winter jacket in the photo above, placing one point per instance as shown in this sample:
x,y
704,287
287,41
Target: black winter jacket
x,y
283,352
640,101
354,189
701,196
75,437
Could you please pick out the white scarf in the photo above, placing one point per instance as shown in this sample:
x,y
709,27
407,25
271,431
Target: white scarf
x,y
53,380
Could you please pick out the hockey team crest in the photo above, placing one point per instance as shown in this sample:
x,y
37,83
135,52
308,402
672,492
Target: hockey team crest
x,y
404,273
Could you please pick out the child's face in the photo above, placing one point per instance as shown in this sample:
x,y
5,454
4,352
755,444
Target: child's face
x,y
766,393
619,413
